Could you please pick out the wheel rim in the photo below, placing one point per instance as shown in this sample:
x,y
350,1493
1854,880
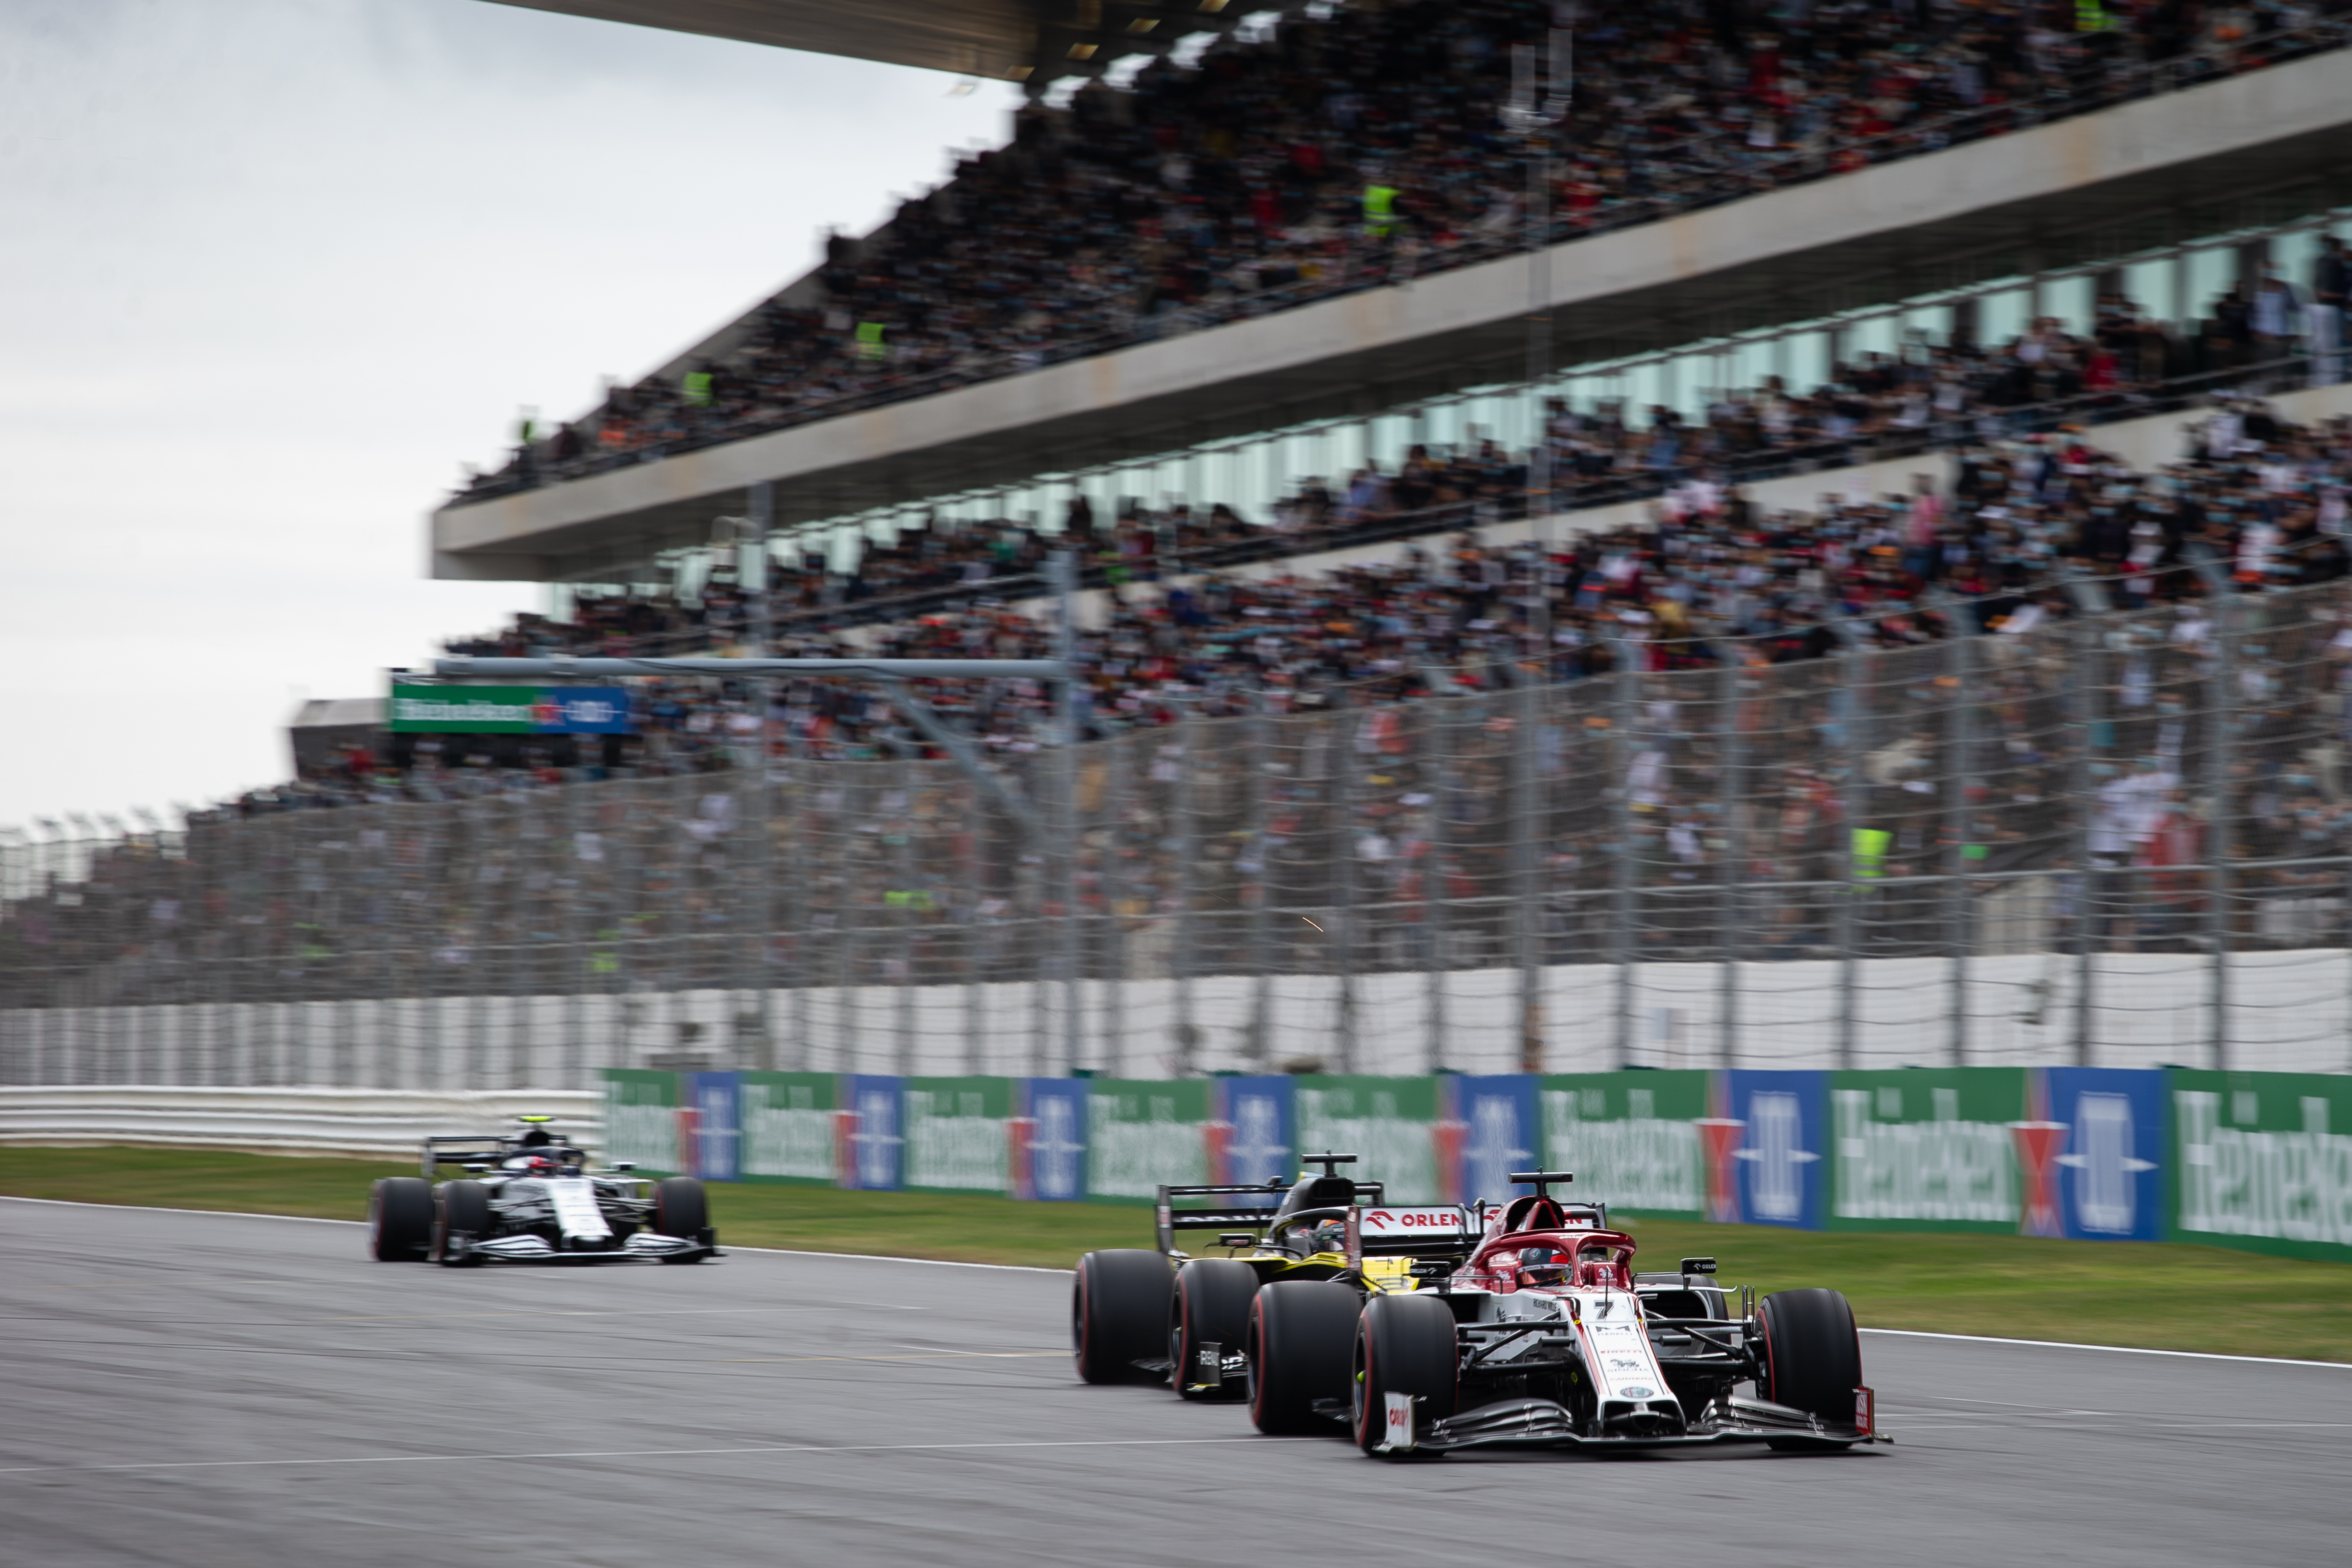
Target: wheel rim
x,y
1078,1318
1359,1390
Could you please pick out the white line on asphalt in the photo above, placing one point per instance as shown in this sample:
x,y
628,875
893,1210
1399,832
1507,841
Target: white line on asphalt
x,y
642,1453
2118,1349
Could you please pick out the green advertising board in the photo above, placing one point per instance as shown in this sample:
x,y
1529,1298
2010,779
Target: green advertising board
x,y
464,709
1926,1149
2263,1161
1629,1138
641,1119
1143,1132
787,1121
1389,1123
955,1133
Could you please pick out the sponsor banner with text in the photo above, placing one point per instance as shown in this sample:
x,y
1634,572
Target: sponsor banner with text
x,y
1632,1139
1926,1149
789,1132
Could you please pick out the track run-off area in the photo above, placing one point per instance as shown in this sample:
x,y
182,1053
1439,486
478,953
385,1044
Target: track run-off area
x,y
199,1389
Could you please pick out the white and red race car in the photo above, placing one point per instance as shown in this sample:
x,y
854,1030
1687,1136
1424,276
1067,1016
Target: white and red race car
x,y
1525,1325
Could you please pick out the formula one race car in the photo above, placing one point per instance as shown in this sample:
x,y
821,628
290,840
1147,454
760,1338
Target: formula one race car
x,y
529,1198
1139,1316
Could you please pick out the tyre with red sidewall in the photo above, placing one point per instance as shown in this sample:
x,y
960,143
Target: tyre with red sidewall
x,y
460,1208
1211,1306
1302,1334
1813,1358
400,1219
1118,1313
1404,1345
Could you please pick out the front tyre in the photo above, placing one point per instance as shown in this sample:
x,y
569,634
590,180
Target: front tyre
x,y
1813,1358
400,1219
1209,1308
461,1213
1118,1313
681,1208
1300,1331
1404,1345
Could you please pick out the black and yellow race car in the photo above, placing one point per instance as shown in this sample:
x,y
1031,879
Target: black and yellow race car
x,y
1164,1316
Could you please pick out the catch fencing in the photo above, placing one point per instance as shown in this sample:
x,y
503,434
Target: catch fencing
x,y
2118,838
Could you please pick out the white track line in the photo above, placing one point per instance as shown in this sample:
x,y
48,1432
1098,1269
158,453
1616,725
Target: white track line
x,y
2115,1350
641,1454
1031,1269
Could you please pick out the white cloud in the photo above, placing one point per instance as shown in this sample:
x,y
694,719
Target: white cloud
x,y
272,269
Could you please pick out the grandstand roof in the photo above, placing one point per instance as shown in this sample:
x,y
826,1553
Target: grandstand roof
x,y
1029,41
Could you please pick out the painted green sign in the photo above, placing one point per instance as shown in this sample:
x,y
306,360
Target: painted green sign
x,y
788,1125
1926,1149
1142,1132
954,1128
641,1119
2263,1161
1629,1138
1389,1123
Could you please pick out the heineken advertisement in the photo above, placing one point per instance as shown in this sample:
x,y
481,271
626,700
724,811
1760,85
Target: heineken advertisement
x,y
509,711
2261,1161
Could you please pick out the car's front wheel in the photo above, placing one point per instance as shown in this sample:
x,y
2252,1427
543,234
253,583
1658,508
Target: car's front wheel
x,y
1118,1312
400,1219
1405,1347
461,1213
682,1209
1812,1359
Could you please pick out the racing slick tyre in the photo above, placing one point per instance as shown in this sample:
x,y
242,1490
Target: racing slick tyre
x,y
1812,1359
1118,1313
1211,1306
681,1209
1301,1332
1404,1345
400,1219
460,1208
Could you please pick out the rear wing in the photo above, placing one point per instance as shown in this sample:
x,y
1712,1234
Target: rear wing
x,y
461,1148
1432,1230
1170,1219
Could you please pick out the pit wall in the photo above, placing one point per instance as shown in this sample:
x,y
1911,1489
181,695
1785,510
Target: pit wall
x,y
2257,1161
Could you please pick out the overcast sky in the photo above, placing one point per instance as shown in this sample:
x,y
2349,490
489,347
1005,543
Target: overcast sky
x,y
272,269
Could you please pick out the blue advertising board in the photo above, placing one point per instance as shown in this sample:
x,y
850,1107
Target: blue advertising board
x,y
1050,1164
714,1101
1497,1133
873,1161
2112,1183
1259,1121
583,711
1780,1165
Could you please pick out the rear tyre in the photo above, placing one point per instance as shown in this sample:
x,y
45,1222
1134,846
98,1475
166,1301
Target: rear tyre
x,y
400,1219
1118,1313
1404,1345
1300,1337
682,1209
1812,1359
460,1208
1211,1306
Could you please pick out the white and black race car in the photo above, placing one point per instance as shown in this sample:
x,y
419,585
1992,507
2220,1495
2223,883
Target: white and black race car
x,y
530,1199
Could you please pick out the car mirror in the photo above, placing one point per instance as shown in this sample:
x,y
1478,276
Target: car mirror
x,y
1238,1238
475,1168
1698,1265
625,1164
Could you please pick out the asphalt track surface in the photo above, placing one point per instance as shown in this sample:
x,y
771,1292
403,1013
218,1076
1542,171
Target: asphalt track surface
x,y
199,1390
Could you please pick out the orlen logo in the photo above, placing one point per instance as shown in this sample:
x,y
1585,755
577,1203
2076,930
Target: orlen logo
x,y
1378,1222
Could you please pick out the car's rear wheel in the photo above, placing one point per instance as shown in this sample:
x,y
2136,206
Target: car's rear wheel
x,y
1211,1306
1813,1358
681,1208
461,1212
1118,1313
1299,1337
1405,1345
400,1219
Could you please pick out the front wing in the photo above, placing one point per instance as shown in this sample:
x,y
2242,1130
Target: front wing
x,y
1544,1423
643,1247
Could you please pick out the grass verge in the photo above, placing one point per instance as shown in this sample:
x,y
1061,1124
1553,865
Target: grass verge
x,y
2118,1293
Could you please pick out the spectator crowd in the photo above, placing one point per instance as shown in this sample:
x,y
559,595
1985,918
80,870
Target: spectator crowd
x,y
1379,143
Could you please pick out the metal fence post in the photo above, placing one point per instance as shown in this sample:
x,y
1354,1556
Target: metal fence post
x,y
2083,678
1115,895
1188,850
1731,758
1341,770
1960,936
1624,701
1855,796
1527,842
2220,735
1261,909
1437,736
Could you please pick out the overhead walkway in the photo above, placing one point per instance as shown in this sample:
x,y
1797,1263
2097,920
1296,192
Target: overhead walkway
x,y
2254,148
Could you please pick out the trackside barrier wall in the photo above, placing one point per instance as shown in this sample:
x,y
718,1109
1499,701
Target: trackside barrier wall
x,y
2093,1153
